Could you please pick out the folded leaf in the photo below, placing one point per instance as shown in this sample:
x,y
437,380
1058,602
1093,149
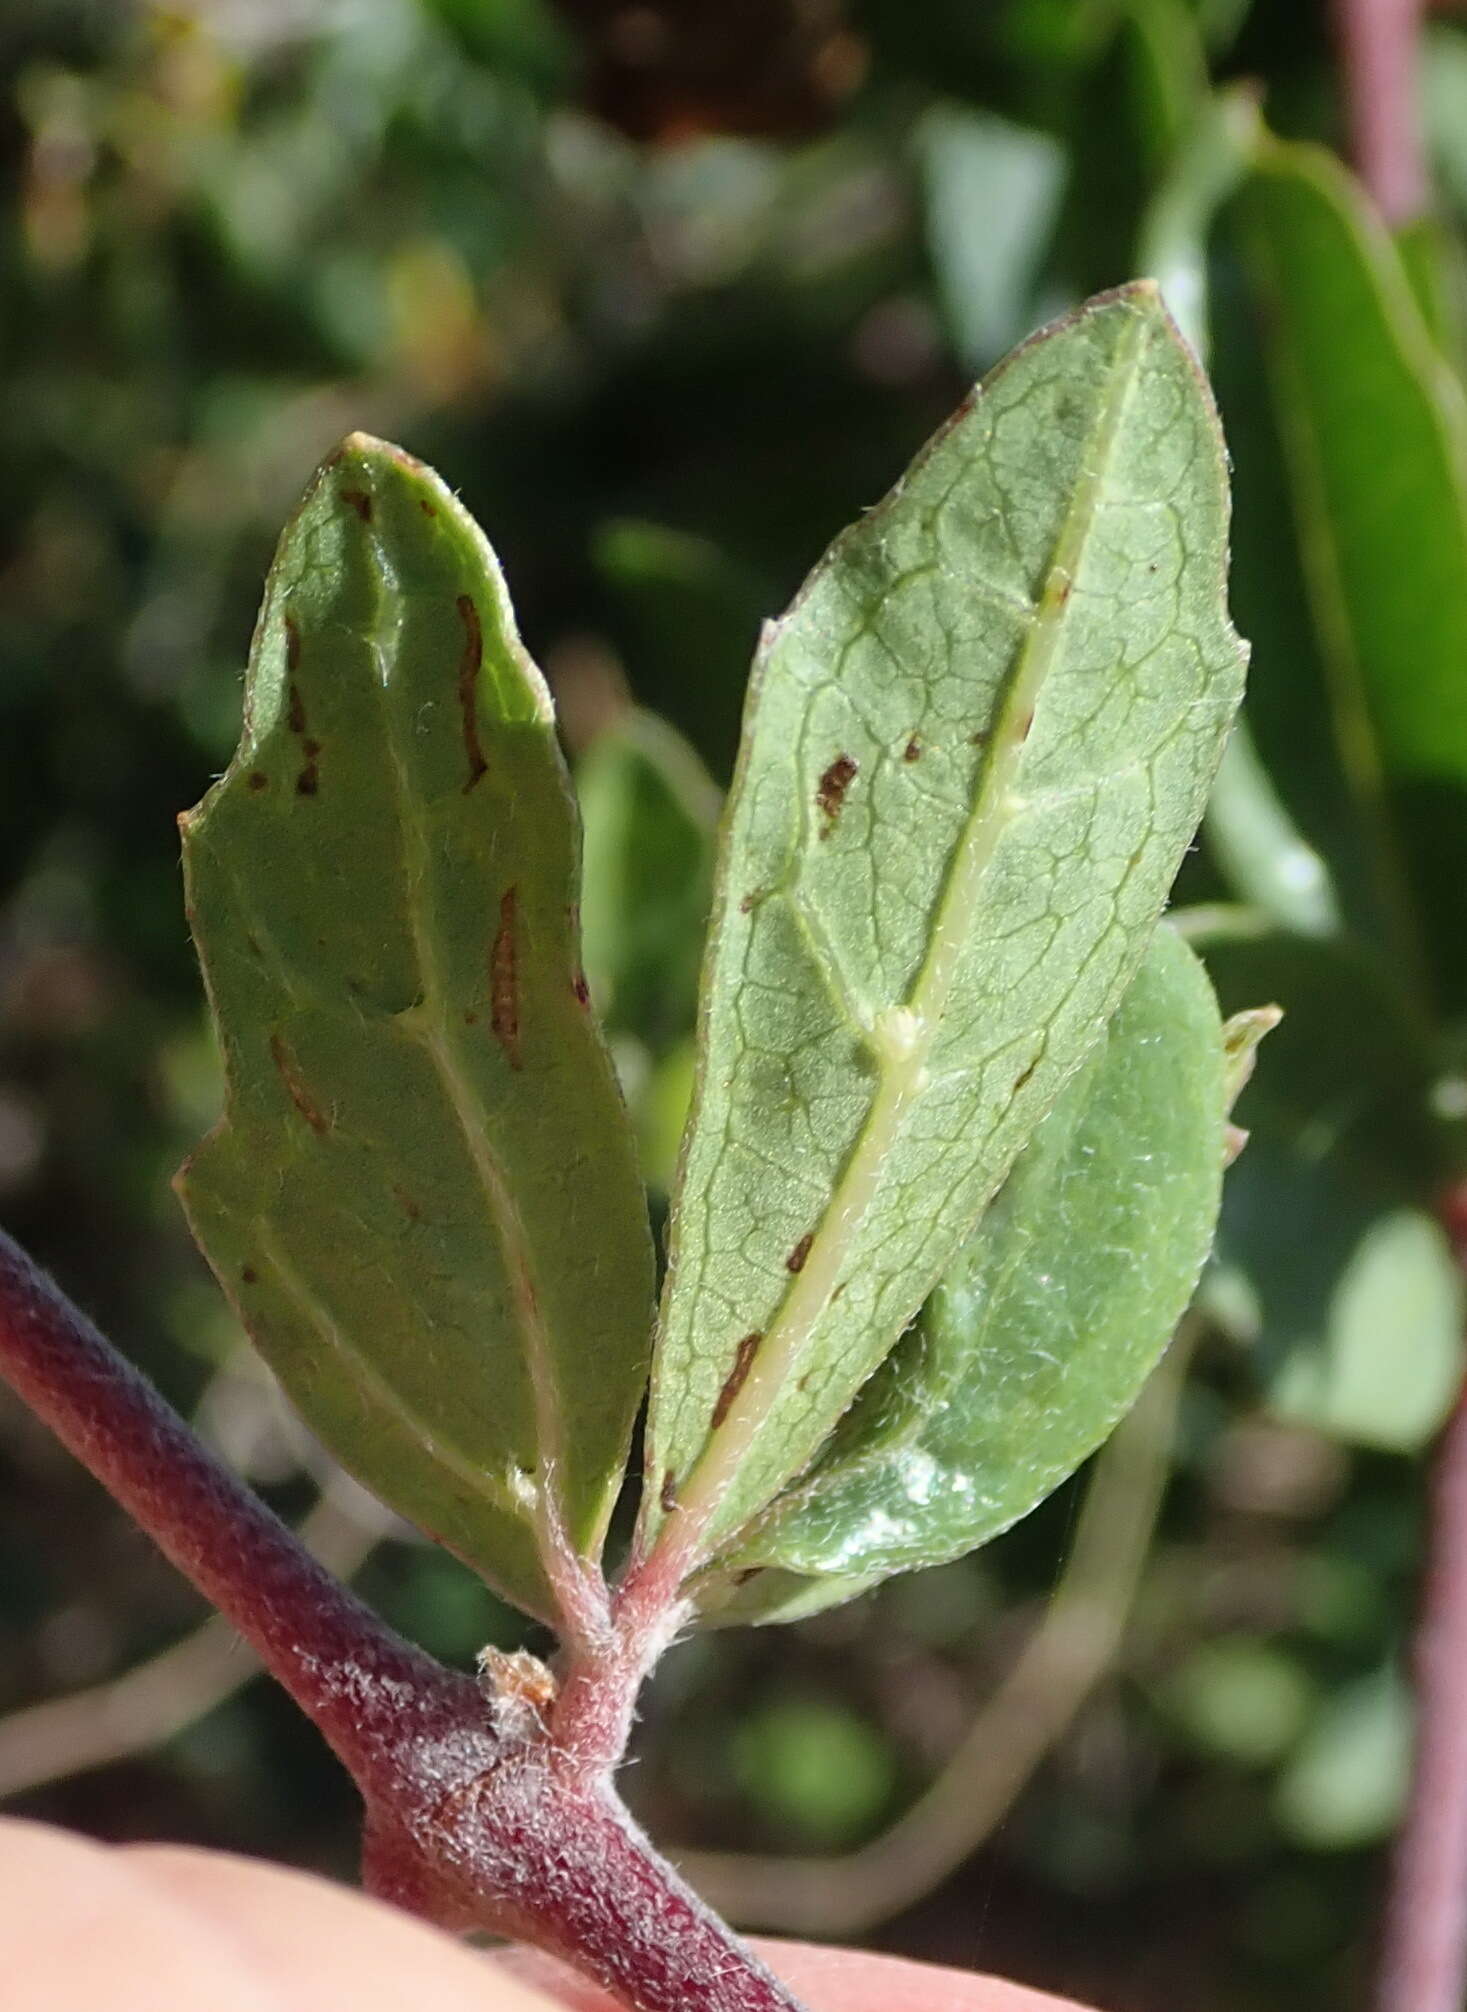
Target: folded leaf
x,y
422,1198
977,747
1041,1335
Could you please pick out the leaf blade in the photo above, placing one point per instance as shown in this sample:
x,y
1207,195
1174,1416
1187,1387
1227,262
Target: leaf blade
x,y
422,1198
1041,1334
879,822
1383,540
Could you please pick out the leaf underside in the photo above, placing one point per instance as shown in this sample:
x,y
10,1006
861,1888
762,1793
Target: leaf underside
x,y
1040,1335
977,746
422,1198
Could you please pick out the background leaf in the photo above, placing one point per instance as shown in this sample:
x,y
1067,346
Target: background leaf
x,y
977,747
422,1199
1352,1304
648,813
1383,538
1042,1333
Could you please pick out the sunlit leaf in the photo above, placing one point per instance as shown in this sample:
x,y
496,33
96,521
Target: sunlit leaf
x,y
1042,1334
978,745
422,1198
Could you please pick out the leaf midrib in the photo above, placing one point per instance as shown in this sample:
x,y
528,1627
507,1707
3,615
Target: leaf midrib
x,y
431,1025
903,1050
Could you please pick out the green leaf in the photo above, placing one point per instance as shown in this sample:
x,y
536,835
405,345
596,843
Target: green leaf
x,y
1210,161
649,811
1346,1785
992,195
1328,1262
422,1198
1041,1335
1392,1363
680,599
1383,534
1260,851
977,747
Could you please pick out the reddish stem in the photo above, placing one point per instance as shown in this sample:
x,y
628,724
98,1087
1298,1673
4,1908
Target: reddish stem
x,y
1424,1950
477,1814
1378,47
345,1669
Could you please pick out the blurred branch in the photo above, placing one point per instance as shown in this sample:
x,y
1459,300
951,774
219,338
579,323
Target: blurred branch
x,y
1068,1652
1378,53
174,1689
1423,1965
343,1666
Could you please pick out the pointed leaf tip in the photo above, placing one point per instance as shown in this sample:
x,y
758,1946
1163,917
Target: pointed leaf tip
x,y
980,741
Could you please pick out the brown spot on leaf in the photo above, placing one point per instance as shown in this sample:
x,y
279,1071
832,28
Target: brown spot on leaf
x,y
360,501
751,901
504,991
581,989
248,1275
471,1018
408,1206
979,739
743,1362
295,1085
296,717
913,750
667,1494
428,509
468,681
292,644
1023,1076
831,792
308,781
258,780
1022,725
796,1259
838,1291
749,1572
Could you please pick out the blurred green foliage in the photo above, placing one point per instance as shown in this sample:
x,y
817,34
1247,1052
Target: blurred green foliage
x,y
670,311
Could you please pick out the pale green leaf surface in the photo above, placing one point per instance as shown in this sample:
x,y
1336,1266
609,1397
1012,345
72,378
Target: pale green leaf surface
x,y
1042,1333
977,746
993,191
1347,1784
422,1198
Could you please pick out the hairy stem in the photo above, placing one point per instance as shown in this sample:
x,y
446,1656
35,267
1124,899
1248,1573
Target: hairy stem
x,y
1423,1964
1377,43
479,1814
344,1668
157,1699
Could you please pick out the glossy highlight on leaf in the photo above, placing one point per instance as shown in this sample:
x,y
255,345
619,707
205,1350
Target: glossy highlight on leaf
x,y
977,746
422,1199
1042,1333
